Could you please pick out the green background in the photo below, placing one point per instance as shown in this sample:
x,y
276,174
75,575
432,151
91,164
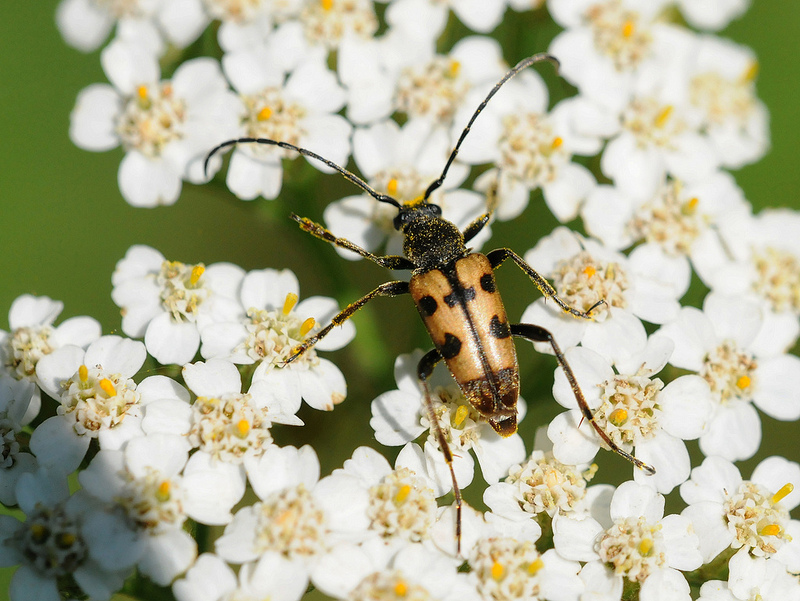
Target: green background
x,y
64,224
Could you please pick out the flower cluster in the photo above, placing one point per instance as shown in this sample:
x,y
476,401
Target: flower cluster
x,y
180,480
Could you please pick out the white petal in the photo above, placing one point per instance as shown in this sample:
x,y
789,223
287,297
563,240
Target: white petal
x,y
57,446
686,406
665,585
323,387
28,583
211,489
214,378
116,355
209,579
777,392
168,554
711,528
165,454
147,182
733,433
129,66
93,120
574,537
635,500
572,444
669,457
171,343
83,24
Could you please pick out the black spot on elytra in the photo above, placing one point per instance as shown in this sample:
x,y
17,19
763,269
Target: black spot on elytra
x,y
467,294
499,329
427,305
487,283
451,346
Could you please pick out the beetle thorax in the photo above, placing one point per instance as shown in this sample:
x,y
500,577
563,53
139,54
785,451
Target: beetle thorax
x,y
431,242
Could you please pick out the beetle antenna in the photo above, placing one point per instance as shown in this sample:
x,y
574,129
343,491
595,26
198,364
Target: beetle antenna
x,y
521,65
351,177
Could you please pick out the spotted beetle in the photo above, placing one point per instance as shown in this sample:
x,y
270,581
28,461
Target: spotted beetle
x,y
455,293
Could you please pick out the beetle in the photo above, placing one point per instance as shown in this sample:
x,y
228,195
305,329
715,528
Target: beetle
x,y
455,293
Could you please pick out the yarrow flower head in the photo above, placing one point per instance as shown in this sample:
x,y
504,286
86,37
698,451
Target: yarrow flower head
x,y
164,126
584,273
141,506
169,303
717,343
299,109
752,515
50,546
97,396
276,324
639,544
635,409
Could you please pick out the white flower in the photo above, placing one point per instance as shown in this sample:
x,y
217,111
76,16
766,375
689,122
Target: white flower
x,y
530,147
169,302
721,89
606,44
635,409
373,571
50,546
638,544
402,502
717,344
145,507
542,484
86,24
763,579
299,516
300,110
275,325
584,272
97,399
211,579
681,222
507,569
763,263
399,416
14,416
712,14
165,127
656,137
401,162
32,336
429,17
225,425
751,515
330,22
243,24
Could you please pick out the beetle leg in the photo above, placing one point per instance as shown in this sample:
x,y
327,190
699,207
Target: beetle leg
x,y
496,257
539,334
388,289
424,371
491,202
316,230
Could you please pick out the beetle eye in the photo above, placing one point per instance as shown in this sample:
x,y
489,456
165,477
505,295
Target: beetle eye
x,y
436,210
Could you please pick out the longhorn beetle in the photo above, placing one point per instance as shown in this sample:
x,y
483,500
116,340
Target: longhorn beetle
x,y
455,293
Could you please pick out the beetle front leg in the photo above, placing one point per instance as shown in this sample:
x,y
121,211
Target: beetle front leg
x,y
496,257
539,334
424,372
388,289
388,261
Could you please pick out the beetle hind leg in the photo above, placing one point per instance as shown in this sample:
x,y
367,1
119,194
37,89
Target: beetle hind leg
x,y
424,372
539,334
